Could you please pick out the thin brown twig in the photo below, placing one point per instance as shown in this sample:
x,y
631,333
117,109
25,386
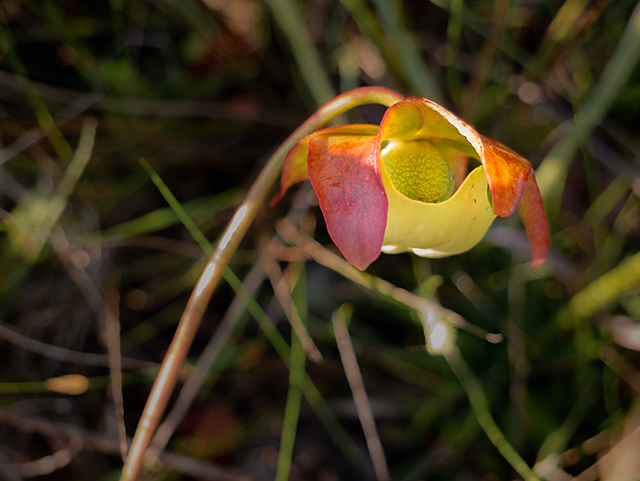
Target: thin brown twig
x,y
67,355
79,101
360,398
328,259
112,314
177,247
36,134
283,294
584,24
8,471
106,308
618,364
62,452
109,444
46,464
614,460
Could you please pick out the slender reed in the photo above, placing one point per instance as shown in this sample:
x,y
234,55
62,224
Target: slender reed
x,y
360,397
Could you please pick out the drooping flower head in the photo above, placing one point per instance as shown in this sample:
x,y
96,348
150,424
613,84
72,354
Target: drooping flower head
x,y
403,186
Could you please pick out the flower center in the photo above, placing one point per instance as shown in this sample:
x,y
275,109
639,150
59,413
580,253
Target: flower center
x,y
417,170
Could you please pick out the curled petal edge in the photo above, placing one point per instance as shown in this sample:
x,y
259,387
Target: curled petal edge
x,y
438,230
507,172
534,219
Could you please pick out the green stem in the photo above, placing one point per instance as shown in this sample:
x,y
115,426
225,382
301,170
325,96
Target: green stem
x,y
480,407
233,234
292,408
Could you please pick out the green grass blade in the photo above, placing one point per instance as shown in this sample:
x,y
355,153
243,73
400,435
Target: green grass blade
x,y
286,13
35,216
177,207
296,381
200,209
420,79
42,113
552,173
607,288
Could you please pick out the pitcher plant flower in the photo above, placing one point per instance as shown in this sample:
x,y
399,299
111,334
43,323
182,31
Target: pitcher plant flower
x,y
403,186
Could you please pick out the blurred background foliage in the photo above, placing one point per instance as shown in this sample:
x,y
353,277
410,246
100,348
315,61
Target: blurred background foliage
x,y
205,91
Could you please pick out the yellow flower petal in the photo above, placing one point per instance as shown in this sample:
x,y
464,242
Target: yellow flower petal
x,y
437,230
402,121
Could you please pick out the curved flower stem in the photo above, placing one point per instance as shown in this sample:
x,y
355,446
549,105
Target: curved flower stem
x,y
233,234
480,407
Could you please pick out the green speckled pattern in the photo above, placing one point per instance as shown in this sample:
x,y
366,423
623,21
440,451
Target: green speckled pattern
x,y
418,170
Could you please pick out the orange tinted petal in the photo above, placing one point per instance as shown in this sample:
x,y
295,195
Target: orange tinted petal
x,y
535,221
344,172
510,176
507,173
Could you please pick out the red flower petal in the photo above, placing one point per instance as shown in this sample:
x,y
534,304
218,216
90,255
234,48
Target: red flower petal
x,y
535,221
294,168
345,174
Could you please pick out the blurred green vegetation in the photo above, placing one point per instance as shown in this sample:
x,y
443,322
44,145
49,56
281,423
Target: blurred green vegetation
x,y
92,237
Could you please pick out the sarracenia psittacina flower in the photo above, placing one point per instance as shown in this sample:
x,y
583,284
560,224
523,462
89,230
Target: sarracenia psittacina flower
x,y
403,186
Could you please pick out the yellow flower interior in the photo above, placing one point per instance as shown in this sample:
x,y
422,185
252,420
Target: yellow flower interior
x,y
418,170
